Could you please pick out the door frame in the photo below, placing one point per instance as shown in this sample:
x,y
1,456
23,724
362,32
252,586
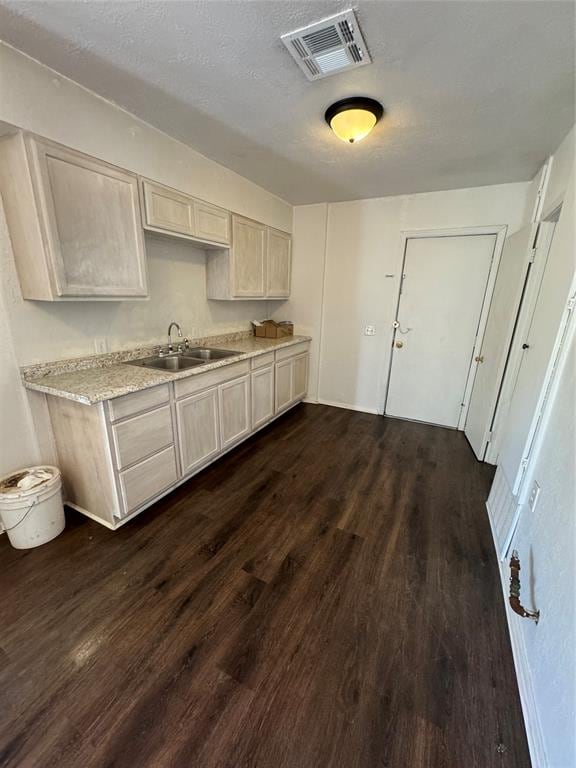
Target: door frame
x,y
499,230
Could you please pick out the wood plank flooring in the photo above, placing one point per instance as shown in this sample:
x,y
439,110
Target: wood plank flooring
x,y
326,596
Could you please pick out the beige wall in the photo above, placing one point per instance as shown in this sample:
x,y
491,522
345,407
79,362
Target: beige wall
x,y
345,277
37,99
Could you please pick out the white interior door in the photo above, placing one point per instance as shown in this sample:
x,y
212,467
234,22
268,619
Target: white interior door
x,y
442,294
540,349
504,307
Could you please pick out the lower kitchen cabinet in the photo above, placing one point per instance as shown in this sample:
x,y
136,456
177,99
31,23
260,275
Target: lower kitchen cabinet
x,y
234,410
262,385
291,381
299,376
198,429
118,457
283,390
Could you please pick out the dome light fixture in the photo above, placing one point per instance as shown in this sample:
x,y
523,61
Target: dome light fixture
x,y
352,119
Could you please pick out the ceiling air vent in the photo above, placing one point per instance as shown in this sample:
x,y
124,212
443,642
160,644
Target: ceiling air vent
x,y
329,46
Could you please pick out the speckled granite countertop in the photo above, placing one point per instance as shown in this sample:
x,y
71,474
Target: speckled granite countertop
x,y
90,380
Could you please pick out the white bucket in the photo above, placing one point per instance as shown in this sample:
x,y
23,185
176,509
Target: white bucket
x,y
31,507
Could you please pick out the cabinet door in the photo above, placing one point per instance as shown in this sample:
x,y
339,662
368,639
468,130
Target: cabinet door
x,y
198,429
262,395
167,210
283,384
299,376
234,410
212,223
92,223
279,258
248,258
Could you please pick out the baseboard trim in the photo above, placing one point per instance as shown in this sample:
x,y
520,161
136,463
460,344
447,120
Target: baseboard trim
x,y
347,407
525,688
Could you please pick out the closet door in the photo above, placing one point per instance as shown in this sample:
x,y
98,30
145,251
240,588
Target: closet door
x,y
508,289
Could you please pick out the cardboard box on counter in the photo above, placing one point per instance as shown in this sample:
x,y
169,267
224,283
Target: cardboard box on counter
x,y
270,329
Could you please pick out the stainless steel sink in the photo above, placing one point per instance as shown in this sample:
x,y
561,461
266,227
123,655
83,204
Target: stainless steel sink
x,y
207,353
179,361
173,362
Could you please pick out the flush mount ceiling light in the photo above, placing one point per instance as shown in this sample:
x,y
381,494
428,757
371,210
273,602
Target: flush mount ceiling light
x,y
352,119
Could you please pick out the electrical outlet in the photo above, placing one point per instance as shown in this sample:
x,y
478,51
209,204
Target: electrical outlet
x,y
100,346
534,496
370,330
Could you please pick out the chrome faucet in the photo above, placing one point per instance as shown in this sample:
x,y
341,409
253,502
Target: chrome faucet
x,y
173,325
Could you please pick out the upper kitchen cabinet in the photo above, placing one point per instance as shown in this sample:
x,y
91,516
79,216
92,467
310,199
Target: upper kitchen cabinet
x,y
74,222
279,262
167,211
212,223
170,212
257,266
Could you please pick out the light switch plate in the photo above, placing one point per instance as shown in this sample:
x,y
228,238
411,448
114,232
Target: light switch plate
x,y
534,495
370,330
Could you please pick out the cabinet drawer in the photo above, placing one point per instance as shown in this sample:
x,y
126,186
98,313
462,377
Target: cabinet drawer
x,y
262,360
136,438
212,223
210,378
296,349
143,481
128,405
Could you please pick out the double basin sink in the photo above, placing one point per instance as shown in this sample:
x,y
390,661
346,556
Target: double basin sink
x,y
179,361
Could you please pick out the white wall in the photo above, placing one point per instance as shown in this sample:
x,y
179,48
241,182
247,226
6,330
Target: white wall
x,y
546,541
546,537
305,303
38,100
362,246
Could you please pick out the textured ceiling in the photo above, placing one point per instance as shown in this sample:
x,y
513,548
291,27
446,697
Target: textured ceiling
x,y
475,92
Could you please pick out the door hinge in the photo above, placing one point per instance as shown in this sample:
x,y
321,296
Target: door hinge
x,y
571,303
489,436
532,258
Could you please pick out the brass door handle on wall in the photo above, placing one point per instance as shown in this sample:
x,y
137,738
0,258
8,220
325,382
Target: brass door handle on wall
x,y
514,598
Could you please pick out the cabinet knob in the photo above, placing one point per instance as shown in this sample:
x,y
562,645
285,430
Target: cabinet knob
x,y
525,346
479,358
399,344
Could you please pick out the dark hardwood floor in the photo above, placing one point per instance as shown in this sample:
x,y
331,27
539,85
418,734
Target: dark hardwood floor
x,y
326,596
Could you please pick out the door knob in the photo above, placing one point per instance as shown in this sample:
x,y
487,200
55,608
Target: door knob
x,y
399,344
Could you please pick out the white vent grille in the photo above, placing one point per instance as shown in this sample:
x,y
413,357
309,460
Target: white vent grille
x,y
329,46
